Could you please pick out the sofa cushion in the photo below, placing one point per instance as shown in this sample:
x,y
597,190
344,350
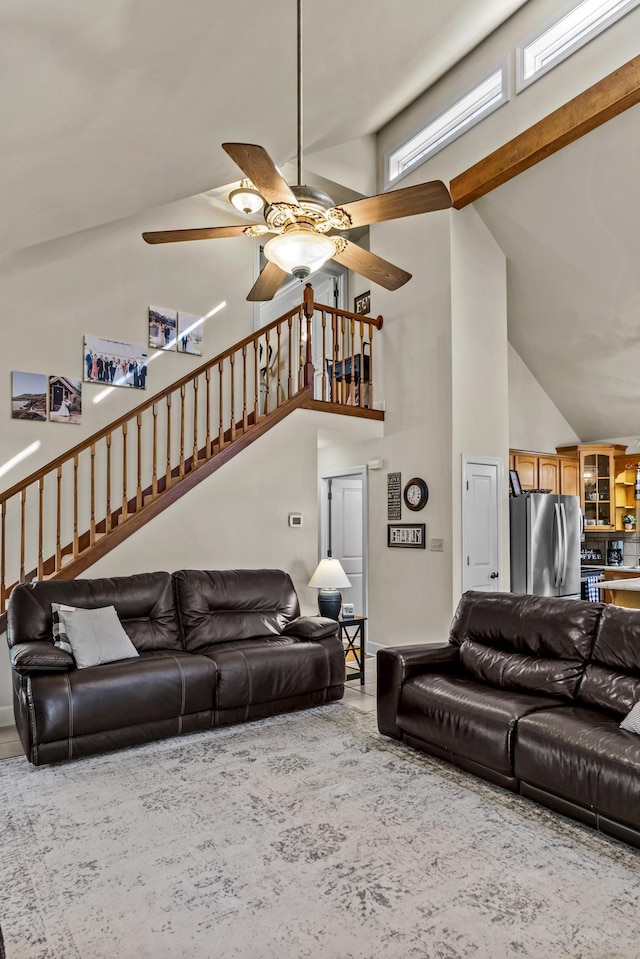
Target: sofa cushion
x,y
144,602
612,678
525,642
466,718
631,721
96,636
272,668
155,686
582,755
219,606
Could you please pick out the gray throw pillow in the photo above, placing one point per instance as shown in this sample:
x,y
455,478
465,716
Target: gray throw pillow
x,y
60,638
96,636
631,721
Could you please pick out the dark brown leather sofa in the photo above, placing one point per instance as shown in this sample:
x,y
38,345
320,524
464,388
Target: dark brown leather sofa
x,y
528,693
216,647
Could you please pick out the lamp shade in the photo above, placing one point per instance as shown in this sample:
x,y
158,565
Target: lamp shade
x,y
329,574
246,198
299,251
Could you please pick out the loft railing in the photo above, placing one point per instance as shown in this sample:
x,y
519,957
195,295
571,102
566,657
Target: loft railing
x,y
64,516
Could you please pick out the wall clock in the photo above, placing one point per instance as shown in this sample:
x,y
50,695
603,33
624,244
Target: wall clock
x,y
416,494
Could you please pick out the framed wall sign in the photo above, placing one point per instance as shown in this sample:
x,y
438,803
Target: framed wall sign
x,y
408,535
362,303
394,494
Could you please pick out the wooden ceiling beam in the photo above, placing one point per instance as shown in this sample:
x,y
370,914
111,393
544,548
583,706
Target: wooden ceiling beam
x,y
606,99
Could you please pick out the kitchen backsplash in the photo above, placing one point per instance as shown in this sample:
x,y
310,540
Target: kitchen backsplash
x,y
598,544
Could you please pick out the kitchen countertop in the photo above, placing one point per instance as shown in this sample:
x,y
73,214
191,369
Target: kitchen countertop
x,y
621,569
629,584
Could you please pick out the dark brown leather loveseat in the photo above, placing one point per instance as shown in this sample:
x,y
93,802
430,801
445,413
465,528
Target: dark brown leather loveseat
x,y
528,693
216,647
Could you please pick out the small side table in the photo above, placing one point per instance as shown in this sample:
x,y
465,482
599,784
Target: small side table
x,y
352,634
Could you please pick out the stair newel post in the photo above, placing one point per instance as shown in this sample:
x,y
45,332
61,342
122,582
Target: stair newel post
x,y
40,525
125,502
139,464
23,507
245,417
334,350
324,354
351,347
59,518
75,505
92,503
196,453
290,358
256,383
207,377
182,395
232,378
308,305
167,472
108,515
278,373
154,469
220,406
3,561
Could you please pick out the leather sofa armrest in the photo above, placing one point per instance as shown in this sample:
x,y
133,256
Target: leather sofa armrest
x,y
311,627
396,664
40,657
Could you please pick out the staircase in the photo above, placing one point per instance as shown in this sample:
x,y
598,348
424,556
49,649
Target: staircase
x,y
65,516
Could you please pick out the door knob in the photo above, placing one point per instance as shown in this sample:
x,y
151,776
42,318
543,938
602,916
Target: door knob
x,y
494,576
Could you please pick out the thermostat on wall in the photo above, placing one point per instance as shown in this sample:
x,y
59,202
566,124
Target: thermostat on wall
x,y
295,519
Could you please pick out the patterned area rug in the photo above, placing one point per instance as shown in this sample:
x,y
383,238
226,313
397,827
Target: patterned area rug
x,y
304,835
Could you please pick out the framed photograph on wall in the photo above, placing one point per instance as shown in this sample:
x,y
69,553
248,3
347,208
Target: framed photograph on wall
x,y
115,364
514,483
163,328
65,399
190,333
29,396
406,535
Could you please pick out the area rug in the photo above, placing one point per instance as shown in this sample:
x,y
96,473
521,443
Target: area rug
x,y
303,835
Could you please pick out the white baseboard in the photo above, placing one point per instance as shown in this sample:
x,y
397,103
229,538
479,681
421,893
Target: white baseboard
x,y
6,716
372,648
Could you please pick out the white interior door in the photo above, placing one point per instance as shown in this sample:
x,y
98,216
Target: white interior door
x,y
346,530
481,523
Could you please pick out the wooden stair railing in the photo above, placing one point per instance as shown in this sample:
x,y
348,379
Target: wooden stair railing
x,y
63,517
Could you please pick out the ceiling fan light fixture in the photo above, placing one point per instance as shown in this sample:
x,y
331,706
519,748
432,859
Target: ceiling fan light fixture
x,y
300,251
246,198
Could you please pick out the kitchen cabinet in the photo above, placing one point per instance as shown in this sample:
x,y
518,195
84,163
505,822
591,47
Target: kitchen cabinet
x,y
616,574
560,474
597,473
569,477
549,473
527,466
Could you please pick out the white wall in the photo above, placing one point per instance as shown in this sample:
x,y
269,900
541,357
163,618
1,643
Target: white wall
x,y
535,422
480,395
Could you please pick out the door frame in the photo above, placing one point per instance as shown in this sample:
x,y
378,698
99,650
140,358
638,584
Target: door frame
x,y
498,461
323,520
340,273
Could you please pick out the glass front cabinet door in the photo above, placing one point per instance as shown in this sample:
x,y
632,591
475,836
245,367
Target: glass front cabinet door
x,y
596,469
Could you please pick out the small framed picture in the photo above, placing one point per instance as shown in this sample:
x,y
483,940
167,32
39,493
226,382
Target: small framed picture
x,y
514,483
362,303
407,535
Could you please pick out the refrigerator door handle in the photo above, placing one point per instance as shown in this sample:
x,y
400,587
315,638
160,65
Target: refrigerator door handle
x,y
556,545
565,553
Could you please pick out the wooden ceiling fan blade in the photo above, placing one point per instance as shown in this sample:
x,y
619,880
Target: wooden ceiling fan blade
x,y
422,198
267,284
255,162
373,267
200,233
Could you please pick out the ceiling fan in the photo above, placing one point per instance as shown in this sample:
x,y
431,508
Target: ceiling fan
x,y
305,227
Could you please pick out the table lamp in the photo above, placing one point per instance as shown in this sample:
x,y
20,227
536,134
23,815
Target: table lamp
x,y
329,578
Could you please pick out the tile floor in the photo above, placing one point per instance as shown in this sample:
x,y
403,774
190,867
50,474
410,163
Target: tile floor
x,y
362,698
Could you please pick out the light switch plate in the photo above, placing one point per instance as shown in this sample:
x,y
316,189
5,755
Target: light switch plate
x,y
436,545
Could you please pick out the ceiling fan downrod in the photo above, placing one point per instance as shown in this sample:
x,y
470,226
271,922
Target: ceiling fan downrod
x,y
299,46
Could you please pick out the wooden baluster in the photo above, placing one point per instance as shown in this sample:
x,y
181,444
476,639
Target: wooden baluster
x,y
351,345
334,345
23,507
324,355
125,501
207,377
364,385
75,506
309,307
232,364
92,503
108,516
40,526
167,472
139,464
154,473
3,567
267,398
245,416
256,383
59,519
196,452
278,384
220,407
182,395
290,359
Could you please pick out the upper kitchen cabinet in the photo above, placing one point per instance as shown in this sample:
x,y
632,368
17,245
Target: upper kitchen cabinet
x,y
597,473
558,474
527,466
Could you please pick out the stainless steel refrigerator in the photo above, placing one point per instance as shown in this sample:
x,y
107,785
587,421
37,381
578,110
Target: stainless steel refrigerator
x,y
545,544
